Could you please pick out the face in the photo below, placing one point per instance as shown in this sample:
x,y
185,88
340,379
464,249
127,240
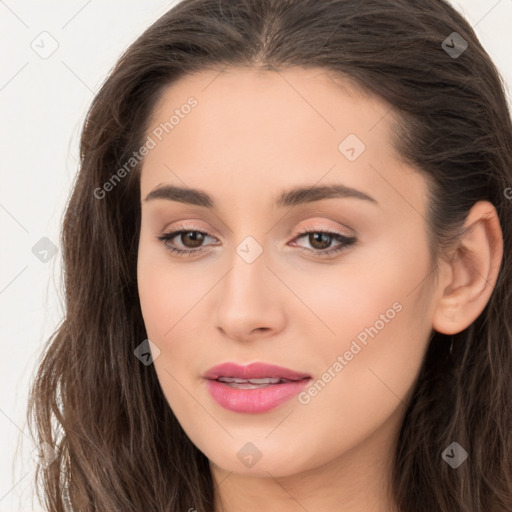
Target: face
x,y
333,285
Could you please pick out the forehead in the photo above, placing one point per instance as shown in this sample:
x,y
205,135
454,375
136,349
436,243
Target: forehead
x,y
291,103
250,130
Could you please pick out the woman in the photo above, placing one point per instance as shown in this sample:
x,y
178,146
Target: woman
x,y
288,276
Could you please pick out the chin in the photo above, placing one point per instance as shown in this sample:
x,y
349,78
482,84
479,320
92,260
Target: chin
x,y
259,458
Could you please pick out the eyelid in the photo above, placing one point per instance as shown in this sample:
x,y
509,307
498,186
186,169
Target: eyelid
x,y
188,226
318,225
326,227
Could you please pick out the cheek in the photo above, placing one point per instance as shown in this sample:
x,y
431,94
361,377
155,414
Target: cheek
x,y
347,301
167,289
380,324
156,297
172,295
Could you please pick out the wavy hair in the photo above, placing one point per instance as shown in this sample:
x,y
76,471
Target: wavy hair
x,y
119,446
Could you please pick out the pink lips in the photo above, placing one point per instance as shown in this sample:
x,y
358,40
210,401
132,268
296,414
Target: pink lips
x,y
253,371
253,400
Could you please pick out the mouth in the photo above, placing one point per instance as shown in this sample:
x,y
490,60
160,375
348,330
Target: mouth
x,y
253,388
237,383
254,373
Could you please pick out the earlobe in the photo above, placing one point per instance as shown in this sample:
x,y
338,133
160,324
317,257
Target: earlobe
x,y
471,273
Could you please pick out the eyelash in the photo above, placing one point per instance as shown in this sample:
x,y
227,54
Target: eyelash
x,y
345,242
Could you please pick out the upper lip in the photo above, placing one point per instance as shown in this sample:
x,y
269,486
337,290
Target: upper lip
x,y
253,371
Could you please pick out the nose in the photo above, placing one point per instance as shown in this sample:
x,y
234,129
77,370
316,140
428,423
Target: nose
x,y
250,302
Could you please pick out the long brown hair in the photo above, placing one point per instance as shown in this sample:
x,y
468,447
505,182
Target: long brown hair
x,y
119,447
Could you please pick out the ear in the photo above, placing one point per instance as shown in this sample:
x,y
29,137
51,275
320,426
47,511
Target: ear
x,y
469,277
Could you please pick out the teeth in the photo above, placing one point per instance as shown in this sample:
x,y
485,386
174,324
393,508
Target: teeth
x,y
268,380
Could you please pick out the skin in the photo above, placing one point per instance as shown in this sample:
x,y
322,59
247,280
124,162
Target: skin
x,y
252,135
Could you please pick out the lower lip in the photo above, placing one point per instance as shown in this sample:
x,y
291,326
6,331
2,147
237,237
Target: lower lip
x,y
254,400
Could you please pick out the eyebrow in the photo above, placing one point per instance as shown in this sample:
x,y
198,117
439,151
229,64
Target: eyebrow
x,y
292,197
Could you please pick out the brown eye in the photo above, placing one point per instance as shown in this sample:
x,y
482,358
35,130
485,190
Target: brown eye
x,y
320,241
196,238
187,241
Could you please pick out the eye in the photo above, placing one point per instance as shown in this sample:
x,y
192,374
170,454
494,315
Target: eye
x,y
189,237
321,241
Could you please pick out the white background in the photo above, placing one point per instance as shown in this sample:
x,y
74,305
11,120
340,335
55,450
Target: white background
x,y
43,103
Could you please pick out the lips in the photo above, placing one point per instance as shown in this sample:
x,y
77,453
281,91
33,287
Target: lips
x,y
255,388
254,371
